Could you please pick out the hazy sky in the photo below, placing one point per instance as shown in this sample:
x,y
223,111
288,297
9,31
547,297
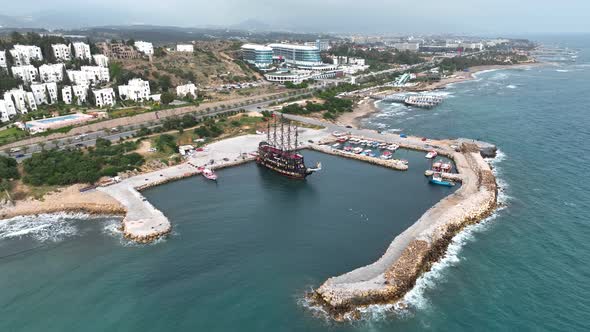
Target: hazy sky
x,y
422,16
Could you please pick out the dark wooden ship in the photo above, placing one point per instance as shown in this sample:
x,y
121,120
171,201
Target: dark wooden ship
x,y
280,150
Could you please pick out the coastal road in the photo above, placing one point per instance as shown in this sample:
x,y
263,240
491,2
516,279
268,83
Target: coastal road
x,y
116,134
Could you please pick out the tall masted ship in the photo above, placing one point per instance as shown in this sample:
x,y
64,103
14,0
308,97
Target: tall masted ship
x,y
279,151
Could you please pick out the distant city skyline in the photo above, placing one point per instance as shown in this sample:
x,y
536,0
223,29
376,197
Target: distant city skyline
x,y
369,16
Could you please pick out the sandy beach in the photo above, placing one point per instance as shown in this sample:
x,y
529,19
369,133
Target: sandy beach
x,y
67,199
362,109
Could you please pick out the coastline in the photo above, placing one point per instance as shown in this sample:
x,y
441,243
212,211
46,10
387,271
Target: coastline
x,y
68,199
367,106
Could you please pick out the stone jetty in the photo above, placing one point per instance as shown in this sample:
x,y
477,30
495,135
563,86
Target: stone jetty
x,y
415,250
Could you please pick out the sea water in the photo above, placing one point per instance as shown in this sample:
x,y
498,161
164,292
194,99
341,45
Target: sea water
x,y
243,252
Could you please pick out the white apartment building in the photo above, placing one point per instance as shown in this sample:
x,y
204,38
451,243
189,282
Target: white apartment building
x,y
45,93
27,73
6,110
80,92
136,89
66,94
3,63
22,54
101,60
104,97
51,73
82,51
20,101
78,77
145,47
62,52
97,73
183,90
185,48
345,60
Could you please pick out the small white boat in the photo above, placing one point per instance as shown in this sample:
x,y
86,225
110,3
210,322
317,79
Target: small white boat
x,y
432,154
335,146
337,134
357,150
209,174
393,147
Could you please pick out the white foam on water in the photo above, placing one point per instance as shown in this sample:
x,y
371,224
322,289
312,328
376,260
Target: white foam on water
x,y
562,70
43,228
511,86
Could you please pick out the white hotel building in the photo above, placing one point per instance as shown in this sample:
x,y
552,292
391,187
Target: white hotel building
x,y
62,52
51,73
185,48
104,97
45,93
145,47
136,89
3,63
300,56
27,73
69,92
22,54
97,73
82,51
183,90
101,60
20,101
6,110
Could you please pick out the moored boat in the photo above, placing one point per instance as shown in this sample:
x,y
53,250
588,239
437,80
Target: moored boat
x,y
438,180
432,154
209,174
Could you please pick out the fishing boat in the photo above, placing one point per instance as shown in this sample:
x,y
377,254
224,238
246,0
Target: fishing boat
x,y
438,180
209,174
342,139
432,154
348,148
357,150
366,152
335,146
446,168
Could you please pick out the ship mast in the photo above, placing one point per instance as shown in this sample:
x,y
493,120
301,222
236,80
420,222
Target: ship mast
x,y
296,138
282,133
289,137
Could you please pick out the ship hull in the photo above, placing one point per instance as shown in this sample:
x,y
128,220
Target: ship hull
x,y
292,175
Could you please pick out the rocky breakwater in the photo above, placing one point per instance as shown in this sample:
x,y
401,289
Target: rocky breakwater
x,y
415,250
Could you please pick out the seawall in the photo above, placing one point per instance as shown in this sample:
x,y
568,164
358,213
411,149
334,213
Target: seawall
x,y
414,251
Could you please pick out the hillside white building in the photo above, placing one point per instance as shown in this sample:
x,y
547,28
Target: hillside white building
x,y
82,51
78,77
3,63
7,110
62,52
45,93
80,92
51,73
136,89
27,73
185,48
101,60
22,54
66,94
145,47
20,100
183,90
96,73
104,97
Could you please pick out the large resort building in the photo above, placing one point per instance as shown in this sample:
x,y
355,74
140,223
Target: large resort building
x,y
258,55
300,56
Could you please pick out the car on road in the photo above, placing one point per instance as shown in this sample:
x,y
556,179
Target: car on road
x,y
310,141
259,107
349,126
20,155
79,145
225,159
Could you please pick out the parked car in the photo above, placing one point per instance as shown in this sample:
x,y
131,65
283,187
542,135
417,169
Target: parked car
x,y
79,145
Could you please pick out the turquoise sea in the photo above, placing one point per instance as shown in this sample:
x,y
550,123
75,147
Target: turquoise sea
x,y
243,252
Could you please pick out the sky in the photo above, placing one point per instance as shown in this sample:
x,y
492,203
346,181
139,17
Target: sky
x,y
364,16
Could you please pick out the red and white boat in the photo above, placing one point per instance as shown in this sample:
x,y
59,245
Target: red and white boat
x,y
209,174
432,154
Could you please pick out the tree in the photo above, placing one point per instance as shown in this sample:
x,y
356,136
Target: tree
x,y
166,98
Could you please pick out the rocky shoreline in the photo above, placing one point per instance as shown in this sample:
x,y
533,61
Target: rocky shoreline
x,y
413,252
